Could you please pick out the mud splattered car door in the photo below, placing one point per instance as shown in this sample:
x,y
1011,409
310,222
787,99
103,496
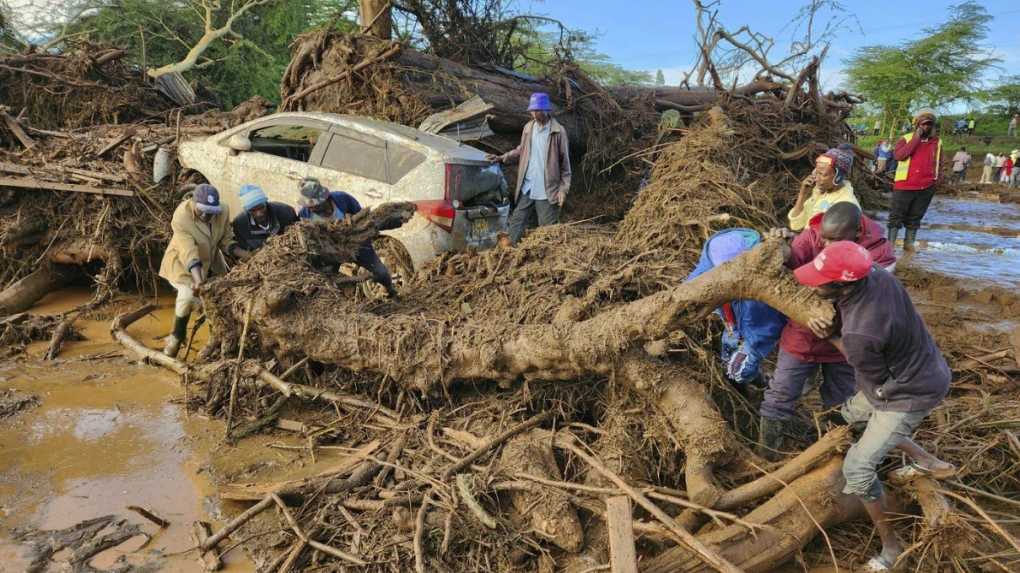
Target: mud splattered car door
x,y
283,152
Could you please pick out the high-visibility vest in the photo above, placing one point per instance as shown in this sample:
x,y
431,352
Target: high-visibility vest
x,y
903,167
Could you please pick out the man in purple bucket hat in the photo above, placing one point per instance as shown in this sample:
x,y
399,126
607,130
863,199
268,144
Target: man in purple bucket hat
x,y
543,179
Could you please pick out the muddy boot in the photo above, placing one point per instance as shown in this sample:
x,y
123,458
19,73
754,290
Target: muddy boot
x,y
770,439
894,235
908,240
180,331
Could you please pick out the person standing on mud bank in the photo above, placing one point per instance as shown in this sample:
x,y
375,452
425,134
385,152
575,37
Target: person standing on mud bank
x,y
321,204
752,328
801,352
826,186
918,172
901,376
543,179
260,218
960,163
986,173
202,234
999,160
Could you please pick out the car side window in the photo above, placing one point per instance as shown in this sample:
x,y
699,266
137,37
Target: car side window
x,y
289,141
402,161
356,157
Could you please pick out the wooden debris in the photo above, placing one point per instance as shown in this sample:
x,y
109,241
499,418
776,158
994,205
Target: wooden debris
x,y
50,185
128,134
209,560
159,521
16,129
623,554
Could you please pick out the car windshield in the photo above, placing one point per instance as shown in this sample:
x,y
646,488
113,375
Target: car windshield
x,y
467,182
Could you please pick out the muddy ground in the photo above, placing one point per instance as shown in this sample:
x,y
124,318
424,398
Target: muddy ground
x,y
91,433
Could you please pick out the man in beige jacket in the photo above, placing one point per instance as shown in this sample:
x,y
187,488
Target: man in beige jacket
x,y
543,179
202,234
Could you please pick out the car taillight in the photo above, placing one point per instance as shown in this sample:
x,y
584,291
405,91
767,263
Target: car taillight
x,y
439,212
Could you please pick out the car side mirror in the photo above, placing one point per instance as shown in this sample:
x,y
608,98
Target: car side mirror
x,y
239,142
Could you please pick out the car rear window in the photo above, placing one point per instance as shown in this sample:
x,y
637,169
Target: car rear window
x,y
476,183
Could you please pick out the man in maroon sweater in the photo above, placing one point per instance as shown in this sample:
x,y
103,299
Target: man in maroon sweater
x,y
918,172
900,373
801,353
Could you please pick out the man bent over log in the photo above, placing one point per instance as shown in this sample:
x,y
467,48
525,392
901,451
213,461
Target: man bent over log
x,y
202,234
900,372
801,353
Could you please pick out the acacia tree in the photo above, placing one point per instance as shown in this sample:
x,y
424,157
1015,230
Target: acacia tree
x,y
1004,98
944,66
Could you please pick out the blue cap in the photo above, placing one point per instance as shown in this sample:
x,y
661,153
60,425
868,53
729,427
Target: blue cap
x,y
207,199
539,102
251,196
725,247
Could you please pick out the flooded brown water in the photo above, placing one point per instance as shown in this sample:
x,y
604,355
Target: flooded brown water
x,y
106,435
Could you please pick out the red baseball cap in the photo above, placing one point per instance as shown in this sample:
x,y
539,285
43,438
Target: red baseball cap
x,y
842,261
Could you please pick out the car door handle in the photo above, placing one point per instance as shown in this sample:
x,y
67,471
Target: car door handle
x,y
374,193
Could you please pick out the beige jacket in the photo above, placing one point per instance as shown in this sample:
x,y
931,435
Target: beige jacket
x,y
557,164
194,240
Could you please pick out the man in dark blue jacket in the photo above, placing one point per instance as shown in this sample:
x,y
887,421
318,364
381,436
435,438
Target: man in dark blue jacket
x,y
900,372
319,204
752,328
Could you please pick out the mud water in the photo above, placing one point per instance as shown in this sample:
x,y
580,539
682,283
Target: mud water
x,y
976,242
107,434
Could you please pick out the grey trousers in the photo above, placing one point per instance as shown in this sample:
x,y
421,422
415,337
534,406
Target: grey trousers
x,y
548,214
883,431
787,383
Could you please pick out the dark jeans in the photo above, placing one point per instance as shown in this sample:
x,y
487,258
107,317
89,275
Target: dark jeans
x,y
547,215
369,260
909,207
958,176
787,385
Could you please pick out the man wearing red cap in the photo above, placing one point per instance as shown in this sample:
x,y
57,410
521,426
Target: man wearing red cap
x,y
901,376
801,353
543,179
918,172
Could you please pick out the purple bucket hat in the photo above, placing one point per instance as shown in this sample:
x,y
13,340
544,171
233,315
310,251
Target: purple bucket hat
x,y
539,102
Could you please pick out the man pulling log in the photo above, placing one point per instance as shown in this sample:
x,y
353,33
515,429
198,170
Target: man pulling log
x,y
900,372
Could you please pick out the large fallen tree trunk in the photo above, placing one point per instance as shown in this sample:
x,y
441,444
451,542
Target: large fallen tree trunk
x,y
436,84
21,295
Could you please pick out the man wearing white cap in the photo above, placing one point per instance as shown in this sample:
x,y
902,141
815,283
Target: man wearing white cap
x,y
543,179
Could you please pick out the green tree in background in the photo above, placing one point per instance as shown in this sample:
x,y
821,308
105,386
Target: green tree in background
x,y
1004,98
249,60
660,78
943,67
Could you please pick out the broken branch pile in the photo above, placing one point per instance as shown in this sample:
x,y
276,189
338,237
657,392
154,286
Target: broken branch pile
x,y
87,85
601,327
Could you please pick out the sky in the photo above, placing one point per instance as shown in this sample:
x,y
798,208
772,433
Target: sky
x,y
659,34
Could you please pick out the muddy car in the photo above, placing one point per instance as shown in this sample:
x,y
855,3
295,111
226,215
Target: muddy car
x,y
462,199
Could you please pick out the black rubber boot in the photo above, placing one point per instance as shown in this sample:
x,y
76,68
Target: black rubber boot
x,y
908,239
894,234
770,439
177,336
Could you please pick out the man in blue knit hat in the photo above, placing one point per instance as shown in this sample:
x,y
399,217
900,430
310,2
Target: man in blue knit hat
x,y
543,179
260,219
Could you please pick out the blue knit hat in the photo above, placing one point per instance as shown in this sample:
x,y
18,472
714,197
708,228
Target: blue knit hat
x,y
251,196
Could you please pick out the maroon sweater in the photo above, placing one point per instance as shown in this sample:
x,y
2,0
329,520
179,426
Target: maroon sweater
x,y
897,365
798,340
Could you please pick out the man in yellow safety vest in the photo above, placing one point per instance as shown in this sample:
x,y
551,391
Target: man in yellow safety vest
x,y
918,172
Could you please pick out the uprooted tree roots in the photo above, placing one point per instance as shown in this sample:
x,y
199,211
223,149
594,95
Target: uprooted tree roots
x,y
460,467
